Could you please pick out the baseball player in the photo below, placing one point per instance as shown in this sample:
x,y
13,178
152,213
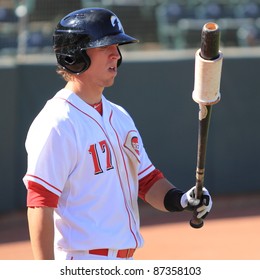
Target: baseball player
x,y
87,164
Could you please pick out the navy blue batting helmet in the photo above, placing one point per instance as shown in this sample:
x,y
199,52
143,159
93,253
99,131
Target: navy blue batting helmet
x,y
84,29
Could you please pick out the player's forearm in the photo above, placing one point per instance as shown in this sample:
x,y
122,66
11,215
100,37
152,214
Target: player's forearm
x,y
155,196
41,228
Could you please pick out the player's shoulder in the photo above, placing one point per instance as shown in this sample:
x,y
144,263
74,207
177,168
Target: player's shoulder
x,y
54,112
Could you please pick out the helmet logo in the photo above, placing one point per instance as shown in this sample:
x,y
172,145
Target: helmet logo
x,y
116,22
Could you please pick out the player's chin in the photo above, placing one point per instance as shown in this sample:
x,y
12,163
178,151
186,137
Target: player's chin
x,y
109,82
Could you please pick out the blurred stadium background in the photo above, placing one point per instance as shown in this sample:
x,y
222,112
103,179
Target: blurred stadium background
x,y
26,26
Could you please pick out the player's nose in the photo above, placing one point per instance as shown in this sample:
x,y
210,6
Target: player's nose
x,y
115,53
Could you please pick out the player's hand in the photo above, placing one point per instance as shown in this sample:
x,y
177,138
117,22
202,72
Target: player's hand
x,y
202,206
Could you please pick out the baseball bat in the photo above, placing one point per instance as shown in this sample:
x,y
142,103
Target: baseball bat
x,y
209,51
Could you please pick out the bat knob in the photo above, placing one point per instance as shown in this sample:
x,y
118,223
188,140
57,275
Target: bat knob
x,y
196,223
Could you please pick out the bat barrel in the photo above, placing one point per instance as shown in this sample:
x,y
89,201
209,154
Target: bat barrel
x,y
210,37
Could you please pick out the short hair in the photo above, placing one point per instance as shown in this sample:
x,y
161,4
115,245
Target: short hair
x,y
64,74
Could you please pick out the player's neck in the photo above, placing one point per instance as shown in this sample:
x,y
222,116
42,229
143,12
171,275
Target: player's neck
x,y
85,92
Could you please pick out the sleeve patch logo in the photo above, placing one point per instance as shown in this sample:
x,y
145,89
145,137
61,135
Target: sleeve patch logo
x,y
135,144
132,144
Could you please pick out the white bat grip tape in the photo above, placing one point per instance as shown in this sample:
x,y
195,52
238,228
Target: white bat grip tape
x,y
207,80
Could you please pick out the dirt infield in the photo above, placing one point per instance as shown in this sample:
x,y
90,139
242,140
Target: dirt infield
x,y
231,232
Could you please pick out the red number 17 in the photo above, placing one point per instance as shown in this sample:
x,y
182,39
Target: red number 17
x,y
96,161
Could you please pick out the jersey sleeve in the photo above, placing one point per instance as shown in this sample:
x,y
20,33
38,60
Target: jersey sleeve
x,y
146,166
38,196
148,181
51,150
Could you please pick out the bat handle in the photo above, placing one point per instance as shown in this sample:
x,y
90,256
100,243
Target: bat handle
x,y
196,222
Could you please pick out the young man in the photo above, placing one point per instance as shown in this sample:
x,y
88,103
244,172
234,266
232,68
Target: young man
x,y
86,161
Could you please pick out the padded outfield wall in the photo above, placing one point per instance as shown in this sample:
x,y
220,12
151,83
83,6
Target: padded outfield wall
x,y
156,91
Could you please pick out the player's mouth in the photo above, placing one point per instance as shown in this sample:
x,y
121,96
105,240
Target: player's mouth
x,y
113,69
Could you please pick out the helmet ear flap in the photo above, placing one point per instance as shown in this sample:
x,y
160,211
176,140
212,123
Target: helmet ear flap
x,y
120,59
75,63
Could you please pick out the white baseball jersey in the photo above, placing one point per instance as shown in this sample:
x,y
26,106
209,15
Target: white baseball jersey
x,y
93,163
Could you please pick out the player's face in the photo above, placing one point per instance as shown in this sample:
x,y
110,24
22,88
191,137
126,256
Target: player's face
x,y
103,67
